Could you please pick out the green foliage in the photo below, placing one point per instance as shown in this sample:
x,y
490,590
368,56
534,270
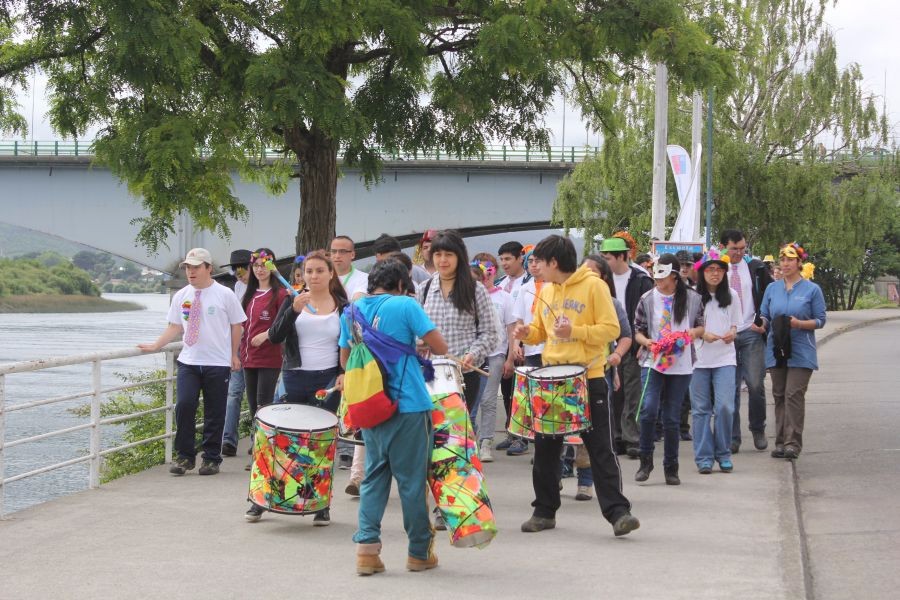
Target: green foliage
x,y
150,396
873,300
22,277
185,90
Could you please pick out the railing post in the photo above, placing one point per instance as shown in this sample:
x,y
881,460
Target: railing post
x,y
504,152
76,147
2,438
573,153
35,148
15,147
56,148
170,394
95,426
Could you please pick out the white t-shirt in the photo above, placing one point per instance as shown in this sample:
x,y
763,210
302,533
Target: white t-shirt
x,y
719,321
512,285
621,283
354,282
522,312
239,289
682,364
503,309
748,310
318,336
220,310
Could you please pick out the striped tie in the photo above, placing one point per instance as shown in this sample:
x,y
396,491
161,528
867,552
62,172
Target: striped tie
x,y
193,326
736,285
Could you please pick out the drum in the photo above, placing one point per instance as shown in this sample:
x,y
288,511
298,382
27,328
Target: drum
x,y
293,457
520,409
559,400
448,378
346,431
456,478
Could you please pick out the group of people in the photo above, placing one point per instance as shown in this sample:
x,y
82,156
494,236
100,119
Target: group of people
x,y
646,336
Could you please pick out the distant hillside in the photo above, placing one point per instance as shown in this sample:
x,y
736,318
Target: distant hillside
x,y
16,241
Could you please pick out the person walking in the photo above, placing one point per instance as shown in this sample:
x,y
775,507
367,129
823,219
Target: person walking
x,y
792,309
713,414
239,266
209,316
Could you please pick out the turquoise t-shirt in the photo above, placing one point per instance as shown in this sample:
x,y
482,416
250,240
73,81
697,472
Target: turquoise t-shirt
x,y
402,318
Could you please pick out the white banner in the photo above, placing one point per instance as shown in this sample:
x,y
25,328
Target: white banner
x,y
689,214
680,161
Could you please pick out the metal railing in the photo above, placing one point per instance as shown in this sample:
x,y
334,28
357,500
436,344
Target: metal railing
x,y
491,153
96,395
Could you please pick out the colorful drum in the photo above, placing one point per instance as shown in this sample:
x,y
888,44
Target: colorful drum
x,y
293,457
520,410
346,431
559,400
448,378
456,478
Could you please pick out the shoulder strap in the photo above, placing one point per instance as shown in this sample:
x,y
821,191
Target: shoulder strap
x,y
425,293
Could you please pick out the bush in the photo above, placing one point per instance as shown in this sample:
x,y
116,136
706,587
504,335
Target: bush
x,y
872,300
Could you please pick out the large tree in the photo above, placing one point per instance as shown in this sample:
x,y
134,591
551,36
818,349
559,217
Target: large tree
x,y
185,90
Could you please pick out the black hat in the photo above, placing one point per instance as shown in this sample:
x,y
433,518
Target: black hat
x,y
239,258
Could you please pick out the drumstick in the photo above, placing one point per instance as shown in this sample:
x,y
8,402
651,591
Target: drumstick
x,y
322,394
271,267
459,360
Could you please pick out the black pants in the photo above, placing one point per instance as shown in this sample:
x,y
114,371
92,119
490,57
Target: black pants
x,y
472,381
506,385
213,382
604,465
260,386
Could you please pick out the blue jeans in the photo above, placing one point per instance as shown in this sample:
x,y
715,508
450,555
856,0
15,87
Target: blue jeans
x,y
399,447
233,408
751,367
712,443
213,382
484,413
301,387
666,391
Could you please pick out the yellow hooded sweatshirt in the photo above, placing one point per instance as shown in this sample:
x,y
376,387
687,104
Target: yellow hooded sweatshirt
x,y
585,300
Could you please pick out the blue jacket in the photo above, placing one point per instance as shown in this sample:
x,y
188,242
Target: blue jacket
x,y
805,301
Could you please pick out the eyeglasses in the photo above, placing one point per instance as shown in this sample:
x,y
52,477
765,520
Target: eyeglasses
x,y
339,251
260,266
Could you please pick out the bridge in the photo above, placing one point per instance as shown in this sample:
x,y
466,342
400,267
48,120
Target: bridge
x,y
54,188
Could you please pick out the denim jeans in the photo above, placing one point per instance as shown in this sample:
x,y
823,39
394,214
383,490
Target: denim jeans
x,y
751,367
399,447
484,413
301,387
666,391
233,408
712,420
191,381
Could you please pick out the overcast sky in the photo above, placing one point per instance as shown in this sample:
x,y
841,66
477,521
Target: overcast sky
x,y
866,32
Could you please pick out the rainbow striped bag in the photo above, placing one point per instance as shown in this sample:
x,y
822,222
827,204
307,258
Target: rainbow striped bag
x,y
365,380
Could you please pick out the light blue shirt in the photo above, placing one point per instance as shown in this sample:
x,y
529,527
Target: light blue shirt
x,y
805,301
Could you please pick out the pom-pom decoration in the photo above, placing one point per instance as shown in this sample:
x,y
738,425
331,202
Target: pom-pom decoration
x,y
629,241
667,349
808,270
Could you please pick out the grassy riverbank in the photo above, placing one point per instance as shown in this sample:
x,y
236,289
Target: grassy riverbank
x,y
47,303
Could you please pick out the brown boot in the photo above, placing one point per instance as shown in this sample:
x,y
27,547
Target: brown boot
x,y
417,564
367,559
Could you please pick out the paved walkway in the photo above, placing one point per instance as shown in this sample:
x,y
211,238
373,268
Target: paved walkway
x,y
157,536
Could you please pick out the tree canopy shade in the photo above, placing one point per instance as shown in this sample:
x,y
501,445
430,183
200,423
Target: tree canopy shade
x,y
322,80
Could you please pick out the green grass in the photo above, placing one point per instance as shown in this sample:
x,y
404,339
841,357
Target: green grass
x,y
872,300
46,303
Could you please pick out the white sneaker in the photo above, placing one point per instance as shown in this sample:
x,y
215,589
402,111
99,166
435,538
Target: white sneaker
x,y
485,452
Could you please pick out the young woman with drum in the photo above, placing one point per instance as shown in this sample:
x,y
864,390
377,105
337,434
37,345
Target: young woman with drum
x,y
713,413
666,321
460,307
577,319
308,327
501,360
401,446
792,309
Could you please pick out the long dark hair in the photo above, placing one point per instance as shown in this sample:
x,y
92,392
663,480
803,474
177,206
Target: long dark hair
x,y
605,271
723,294
679,308
463,292
253,282
338,294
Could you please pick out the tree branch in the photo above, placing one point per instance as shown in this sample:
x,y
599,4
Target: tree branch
x,y
25,62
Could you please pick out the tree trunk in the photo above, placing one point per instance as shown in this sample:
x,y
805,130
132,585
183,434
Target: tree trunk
x,y
318,187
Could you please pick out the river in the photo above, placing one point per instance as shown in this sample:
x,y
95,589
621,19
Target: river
x,y
35,336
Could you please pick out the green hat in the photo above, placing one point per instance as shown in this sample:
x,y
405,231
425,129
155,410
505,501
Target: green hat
x,y
613,244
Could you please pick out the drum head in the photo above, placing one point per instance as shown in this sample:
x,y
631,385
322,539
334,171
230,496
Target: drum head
x,y
444,361
525,370
557,372
296,417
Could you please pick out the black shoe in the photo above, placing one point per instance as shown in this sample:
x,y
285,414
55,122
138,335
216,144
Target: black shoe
x,y
439,523
791,453
672,474
778,452
345,462
322,518
625,524
182,466
759,440
686,436
208,467
535,524
253,514
229,450
735,447
632,451
646,466
621,447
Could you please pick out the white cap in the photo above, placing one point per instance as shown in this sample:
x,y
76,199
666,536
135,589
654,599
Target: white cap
x,y
197,256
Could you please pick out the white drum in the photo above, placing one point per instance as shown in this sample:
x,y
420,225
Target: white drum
x,y
448,378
